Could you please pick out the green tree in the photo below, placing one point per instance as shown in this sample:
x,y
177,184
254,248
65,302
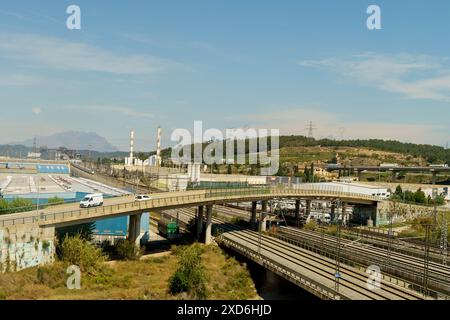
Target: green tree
x,y
306,173
4,206
85,231
420,197
20,205
189,276
79,252
409,196
399,191
311,178
142,156
127,250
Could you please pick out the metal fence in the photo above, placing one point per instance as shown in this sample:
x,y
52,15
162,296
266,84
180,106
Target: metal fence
x,y
186,198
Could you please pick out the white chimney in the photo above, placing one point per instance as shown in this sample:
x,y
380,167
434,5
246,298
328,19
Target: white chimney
x,y
158,147
131,146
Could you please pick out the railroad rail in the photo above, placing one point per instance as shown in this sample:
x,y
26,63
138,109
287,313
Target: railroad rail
x,y
309,270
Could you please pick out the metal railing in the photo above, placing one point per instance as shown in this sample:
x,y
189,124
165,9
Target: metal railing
x,y
190,198
310,285
394,272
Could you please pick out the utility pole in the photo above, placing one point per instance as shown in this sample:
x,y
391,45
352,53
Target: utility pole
x,y
310,127
390,236
260,237
444,237
337,273
426,262
38,195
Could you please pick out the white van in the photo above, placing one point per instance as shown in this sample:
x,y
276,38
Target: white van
x,y
320,217
92,200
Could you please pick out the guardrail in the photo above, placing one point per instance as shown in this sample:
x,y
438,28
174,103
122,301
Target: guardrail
x,y
393,271
190,198
310,285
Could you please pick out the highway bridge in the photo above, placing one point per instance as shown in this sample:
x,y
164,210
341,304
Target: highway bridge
x,y
310,271
433,170
28,237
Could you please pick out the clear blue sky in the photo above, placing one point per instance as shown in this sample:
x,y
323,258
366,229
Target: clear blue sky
x,y
274,64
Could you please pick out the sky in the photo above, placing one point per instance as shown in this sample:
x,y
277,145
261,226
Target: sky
x,y
138,64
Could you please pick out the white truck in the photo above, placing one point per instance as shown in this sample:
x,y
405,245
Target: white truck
x,y
319,217
92,200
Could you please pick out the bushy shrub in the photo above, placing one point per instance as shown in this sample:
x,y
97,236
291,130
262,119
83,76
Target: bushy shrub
x,y
311,225
127,250
189,276
52,276
79,252
55,200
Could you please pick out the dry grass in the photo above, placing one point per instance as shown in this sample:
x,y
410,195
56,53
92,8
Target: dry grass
x,y
145,279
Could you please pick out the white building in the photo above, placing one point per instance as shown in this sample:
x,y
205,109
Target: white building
x,y
177,182
370,190
194,172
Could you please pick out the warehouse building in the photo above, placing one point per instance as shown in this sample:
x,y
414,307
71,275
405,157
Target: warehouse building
x,y
41,182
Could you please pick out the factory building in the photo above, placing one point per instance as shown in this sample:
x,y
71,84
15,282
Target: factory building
x,y
41,182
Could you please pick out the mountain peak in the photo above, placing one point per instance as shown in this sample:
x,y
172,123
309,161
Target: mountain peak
x,y
77,140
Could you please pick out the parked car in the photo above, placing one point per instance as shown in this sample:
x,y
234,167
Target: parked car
x,y
142,197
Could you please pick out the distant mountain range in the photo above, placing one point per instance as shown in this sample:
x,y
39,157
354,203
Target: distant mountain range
x,y
72,140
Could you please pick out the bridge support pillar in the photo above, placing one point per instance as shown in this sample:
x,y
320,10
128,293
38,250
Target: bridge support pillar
x,y
308,208
253,216
358,172
208,224
199,222
433,177
297,212
394,176
134,228
263,221
264,206
333,211
344,213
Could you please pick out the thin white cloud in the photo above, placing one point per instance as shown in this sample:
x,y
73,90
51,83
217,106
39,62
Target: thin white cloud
x,y
334,126
62,54
199,46
12,14
21,80
113,110
414,76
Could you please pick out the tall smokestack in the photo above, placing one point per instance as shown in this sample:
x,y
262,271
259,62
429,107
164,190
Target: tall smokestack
x,y
131,145
158,146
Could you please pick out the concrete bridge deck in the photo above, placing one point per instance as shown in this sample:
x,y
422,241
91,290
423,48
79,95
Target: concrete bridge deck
x,y
71,213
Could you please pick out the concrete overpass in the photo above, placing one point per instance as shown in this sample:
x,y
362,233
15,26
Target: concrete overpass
x,y
28,237
394,169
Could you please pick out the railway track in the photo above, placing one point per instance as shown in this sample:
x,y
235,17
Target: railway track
x,y
396,246
401,246
396,263
352,284
405,267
